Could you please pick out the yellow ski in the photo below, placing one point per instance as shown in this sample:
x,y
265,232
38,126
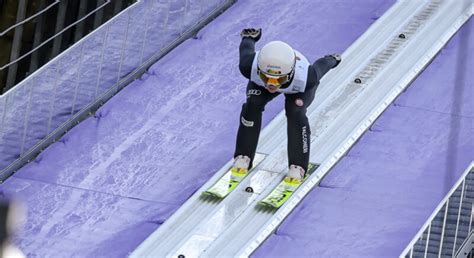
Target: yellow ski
x,y
227,182
281,193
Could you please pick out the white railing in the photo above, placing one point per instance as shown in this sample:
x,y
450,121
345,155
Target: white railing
x,y
50,101
445,231
106,2
29,18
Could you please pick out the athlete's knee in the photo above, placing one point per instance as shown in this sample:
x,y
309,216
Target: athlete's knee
x,y
295,112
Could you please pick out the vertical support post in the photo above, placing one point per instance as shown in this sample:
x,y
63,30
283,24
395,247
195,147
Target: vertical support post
x,y
459,216
80,26
16,45
78,75
99,15
118,6
147,13
60,20
427,241
37,38
27,118
470,220
443,228
101,62
124,45
53,101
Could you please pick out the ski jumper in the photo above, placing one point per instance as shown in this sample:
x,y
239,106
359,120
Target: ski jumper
x,y
299,93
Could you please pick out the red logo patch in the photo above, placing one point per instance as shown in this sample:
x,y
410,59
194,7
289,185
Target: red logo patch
x,y
299,102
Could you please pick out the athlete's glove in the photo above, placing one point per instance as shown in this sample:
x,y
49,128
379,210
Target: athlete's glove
x,y
255,34
337,57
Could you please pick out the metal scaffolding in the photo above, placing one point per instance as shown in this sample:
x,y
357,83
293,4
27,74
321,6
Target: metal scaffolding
x,y
34,32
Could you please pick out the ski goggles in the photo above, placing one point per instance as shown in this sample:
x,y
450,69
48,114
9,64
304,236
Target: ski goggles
x,y
273,80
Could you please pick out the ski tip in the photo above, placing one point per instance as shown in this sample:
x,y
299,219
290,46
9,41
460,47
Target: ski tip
x,y
211,195
205,197
267,205
264,208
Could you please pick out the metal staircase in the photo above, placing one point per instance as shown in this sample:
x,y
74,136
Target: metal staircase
x,y
451,223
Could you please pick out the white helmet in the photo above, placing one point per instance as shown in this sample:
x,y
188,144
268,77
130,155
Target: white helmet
x,y
276,59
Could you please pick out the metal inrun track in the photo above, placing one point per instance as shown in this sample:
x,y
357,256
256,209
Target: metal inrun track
x,y
374,71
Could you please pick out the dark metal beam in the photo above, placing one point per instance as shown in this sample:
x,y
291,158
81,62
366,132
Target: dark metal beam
x,y
118,5
16,45
80,27
38,37
61,18
99,15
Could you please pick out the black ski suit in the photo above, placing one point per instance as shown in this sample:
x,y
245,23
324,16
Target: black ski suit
x,y
295,106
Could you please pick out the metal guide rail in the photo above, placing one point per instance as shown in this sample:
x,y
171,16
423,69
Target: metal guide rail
x,y
376,69
448,231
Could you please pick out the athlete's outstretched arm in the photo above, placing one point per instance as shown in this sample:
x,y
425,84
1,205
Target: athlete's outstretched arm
x,y
247,54
247,50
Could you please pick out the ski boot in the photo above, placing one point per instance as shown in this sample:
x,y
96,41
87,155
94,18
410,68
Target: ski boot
x,y
337,57
294,178
240,168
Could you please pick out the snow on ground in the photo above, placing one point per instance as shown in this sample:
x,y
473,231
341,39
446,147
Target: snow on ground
x,y
117,176
377,198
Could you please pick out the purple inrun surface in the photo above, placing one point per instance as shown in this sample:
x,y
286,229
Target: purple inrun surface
x,y
377,197
113,179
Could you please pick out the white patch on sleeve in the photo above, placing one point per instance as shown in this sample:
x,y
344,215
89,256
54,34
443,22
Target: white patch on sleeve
x,y
246,123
